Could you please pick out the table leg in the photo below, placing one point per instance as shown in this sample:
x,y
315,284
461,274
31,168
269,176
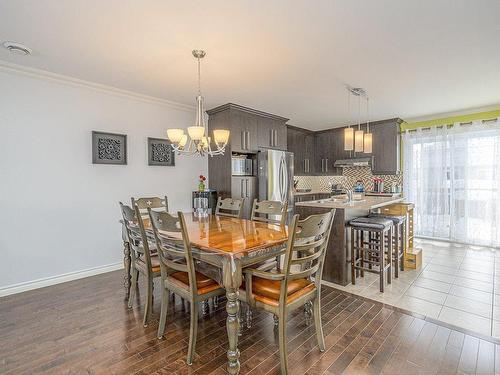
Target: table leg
x,y
126,272
232,282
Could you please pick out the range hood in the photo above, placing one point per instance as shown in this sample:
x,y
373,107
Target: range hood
x,y
358,162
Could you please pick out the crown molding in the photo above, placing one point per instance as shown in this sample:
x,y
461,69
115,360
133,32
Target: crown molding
x,y
76,82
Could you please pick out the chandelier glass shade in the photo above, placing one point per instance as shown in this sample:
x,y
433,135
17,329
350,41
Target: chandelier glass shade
x,y
197,140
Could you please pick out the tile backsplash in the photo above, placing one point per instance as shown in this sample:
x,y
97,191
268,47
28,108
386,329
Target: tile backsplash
x,y
348,179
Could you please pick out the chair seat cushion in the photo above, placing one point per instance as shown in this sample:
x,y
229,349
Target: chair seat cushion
x,y
268,291
204,284
379,223
396,220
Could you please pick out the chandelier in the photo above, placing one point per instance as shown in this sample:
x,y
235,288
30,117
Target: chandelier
x,y
358,140
199,142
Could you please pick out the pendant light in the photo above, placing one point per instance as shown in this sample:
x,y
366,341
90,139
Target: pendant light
x,y
348,132
358,134
199,141
368,138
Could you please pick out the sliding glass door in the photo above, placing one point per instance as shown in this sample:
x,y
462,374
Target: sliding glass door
x,y
452,174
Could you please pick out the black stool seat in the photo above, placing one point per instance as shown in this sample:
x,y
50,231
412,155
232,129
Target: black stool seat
x,y
379,223
396,220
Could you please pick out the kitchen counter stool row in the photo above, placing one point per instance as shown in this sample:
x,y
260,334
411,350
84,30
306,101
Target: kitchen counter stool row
x,y
377,243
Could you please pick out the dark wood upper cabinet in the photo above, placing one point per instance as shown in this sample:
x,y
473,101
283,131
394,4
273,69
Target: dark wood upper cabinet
x,y
386,156
272,133
249,129
301,143
329,147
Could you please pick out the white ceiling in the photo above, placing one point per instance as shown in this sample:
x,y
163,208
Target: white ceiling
x,y
291,58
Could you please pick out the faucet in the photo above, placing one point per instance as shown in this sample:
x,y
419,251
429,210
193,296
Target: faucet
x,y
349,193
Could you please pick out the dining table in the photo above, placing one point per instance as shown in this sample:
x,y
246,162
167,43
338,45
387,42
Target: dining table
x,y
228,245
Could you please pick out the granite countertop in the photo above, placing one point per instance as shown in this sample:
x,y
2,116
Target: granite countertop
x,y
312,192
367,203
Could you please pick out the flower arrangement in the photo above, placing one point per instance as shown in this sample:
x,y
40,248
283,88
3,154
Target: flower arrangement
x,y
201,182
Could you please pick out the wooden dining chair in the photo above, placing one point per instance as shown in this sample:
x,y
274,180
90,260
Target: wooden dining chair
x,y
298,283
178,272
229,207
273,212
150,202
142,261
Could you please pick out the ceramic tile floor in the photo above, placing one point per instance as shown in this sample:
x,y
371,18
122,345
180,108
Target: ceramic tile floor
x,y
457,284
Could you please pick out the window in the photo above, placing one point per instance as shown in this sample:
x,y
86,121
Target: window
x,y
452,174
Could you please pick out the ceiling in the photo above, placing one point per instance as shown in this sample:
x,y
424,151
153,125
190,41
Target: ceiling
x,y
290,58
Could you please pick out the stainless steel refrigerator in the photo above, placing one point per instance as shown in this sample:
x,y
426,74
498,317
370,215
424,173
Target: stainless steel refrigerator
x,y
275,172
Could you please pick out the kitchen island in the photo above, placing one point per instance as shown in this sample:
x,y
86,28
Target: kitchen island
x,y
337,259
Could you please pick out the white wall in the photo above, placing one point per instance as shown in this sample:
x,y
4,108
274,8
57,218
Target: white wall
x,y
59,212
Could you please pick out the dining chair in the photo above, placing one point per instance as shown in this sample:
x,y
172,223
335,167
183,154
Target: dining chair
x,y
273,212
229,207
142,261
178,272
298,283
150,202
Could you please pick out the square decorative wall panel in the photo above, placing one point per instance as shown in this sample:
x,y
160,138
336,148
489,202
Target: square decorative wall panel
x,y
160,152
109,148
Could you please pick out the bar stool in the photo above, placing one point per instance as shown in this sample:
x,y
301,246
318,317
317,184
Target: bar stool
x,y
399,240
371,251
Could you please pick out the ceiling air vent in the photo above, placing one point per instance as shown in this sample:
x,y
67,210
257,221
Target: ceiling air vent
x,y
18,48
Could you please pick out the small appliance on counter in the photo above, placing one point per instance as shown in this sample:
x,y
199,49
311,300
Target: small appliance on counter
x,y
359,187
242,165
378,185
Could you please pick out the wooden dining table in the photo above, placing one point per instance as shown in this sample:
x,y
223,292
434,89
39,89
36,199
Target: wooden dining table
x,y
229,244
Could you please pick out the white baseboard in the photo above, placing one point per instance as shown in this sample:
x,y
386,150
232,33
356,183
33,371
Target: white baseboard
x,y
52,280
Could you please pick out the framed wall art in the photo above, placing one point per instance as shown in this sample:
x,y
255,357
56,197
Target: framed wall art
x,y
109,148
160,152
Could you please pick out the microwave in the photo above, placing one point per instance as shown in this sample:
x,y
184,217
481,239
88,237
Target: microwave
x,y
241,166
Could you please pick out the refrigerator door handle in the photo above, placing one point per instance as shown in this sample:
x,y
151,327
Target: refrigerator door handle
x,y
280,178
285,180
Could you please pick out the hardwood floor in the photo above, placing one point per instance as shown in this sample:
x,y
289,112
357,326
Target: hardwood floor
x,y
85,327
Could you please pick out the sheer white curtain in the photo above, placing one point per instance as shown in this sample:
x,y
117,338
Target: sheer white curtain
x,y
452,174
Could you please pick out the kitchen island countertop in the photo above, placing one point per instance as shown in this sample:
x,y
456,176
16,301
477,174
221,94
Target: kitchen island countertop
x,y
367,203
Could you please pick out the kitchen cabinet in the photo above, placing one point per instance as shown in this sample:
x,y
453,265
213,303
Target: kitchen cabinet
x,y
386,146
301,143
337,151
324,153
245,138
245,187
272,133
244,130
329,147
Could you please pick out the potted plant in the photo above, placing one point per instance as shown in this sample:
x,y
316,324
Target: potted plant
x,y
201,183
